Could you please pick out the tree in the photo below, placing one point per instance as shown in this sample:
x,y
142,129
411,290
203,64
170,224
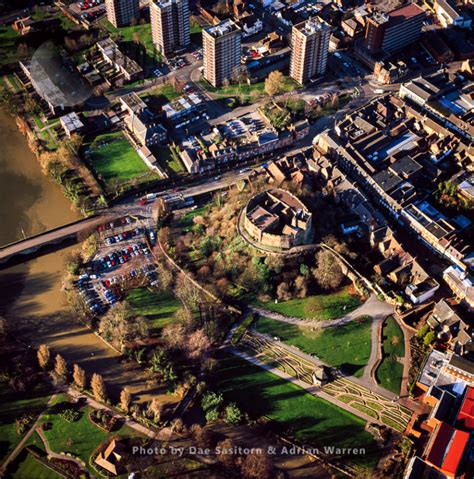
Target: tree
x,y
125,400
187,292
256,465
429,338
232,414
211,400
43,356
156,409
274,83
226,454
60,367
98,388
327,273
197,344
301,286
422,331
79,376
283,291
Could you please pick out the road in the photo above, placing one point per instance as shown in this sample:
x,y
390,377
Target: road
x,y
127,207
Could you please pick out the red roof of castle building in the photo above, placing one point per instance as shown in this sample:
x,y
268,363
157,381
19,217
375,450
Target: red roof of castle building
x,y
465,419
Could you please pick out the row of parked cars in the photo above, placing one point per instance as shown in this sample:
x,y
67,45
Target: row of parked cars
x,y
125,220
126,235
121,256
89,295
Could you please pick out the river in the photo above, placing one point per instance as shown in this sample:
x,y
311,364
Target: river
x,y
31,296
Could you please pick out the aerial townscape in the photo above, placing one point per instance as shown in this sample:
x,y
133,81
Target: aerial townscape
x,y
236,239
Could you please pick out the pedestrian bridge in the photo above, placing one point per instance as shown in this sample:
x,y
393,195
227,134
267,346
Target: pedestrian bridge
x,y
38,244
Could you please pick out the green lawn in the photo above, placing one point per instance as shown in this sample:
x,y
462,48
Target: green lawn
x,y
319,307
157,307
185,221
347,347
116,161
248,92
312,421
79,438
167,161
14,406
30,468
128,34
8,46
390,371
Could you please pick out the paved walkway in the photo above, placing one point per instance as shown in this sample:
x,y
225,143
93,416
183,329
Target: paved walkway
x,y
162,434
21,444
56,455
372,307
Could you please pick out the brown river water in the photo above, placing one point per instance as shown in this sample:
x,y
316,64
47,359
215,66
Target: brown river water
x,y
31,296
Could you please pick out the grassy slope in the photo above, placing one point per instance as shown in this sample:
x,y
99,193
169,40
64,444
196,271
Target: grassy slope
x,y
127,33
117,159
311,420
14,406
320,307
30,468
390,371
156,307
8,48
347,347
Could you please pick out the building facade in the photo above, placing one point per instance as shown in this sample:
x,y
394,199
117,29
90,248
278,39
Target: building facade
x,y
309,50
221,51
170,25
121,12
392,31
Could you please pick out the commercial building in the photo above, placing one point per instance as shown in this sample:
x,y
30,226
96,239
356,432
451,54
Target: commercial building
x,y
128,68
391,31
170,25
221,51
121,12
309,50
448,15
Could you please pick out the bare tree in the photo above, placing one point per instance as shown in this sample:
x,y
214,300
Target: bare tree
x,y
79,376
197,344
327,272
256,466
125,400
98,388
60,367
43,356
274,83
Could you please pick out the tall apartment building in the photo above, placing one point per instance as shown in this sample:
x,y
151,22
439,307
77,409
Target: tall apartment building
x,y
309,49
391,31
221,51
170,25
121,12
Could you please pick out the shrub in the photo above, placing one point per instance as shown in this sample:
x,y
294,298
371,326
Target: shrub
x,y
233,415
70,415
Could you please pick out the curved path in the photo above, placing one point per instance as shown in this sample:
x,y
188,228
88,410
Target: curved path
x,y
372,307
56,455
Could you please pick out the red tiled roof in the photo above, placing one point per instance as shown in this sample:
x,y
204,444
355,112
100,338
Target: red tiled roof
x,y
440,443
465,419
455,451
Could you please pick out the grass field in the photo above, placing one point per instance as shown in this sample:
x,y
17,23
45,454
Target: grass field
x,y
14,406
116,160
248,92
346,347
185,221
79,438
30,468
8,47
390,371
166,160
157,307
319,307
141,32
309,419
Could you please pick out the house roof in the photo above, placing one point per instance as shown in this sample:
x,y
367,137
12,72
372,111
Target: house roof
x,y
465,419
455,451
